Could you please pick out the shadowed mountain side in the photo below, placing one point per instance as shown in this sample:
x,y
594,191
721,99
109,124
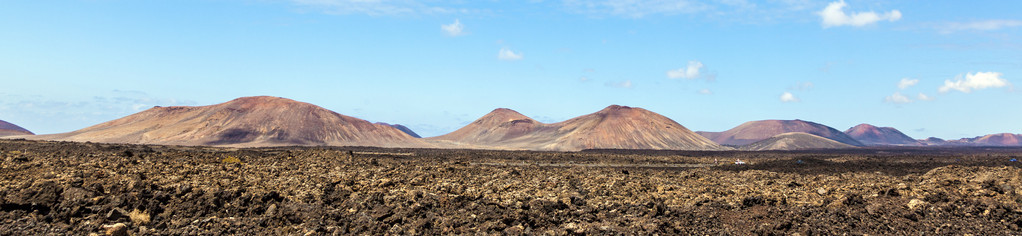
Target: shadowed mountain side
x,y
754,131
708,135
8,129
795,141
243,122
878,136
615,127
402,128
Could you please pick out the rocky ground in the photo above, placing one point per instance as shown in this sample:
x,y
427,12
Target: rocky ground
x,y
83,188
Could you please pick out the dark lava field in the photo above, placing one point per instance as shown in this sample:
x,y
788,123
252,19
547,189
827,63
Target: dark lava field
x,y
64,188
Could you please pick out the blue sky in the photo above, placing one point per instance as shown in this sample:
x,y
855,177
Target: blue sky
x,y
929,68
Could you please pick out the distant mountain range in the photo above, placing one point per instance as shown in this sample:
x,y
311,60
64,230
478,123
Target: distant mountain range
x,y
243,122
614,127
273,121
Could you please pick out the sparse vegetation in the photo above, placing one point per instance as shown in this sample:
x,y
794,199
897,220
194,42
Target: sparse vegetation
x,y
232,160
139,217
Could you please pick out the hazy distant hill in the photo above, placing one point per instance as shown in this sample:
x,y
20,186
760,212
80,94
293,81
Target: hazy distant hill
x,y
8,129
402,128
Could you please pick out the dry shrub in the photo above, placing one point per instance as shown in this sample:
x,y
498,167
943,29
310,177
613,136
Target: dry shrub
x,y
232,160
139,217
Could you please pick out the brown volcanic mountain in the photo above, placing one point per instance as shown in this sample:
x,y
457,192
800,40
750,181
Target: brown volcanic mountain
x,y
8,129
243,122
492,129
615,127
877,136
1002,139
753,131
795,141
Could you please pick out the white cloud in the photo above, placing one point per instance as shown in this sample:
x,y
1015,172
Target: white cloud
x,y
834,15
924,97
622,84
705,91
974,81
788,97
897,97
508,55
454,29
986,25
584,79
906,82
689,72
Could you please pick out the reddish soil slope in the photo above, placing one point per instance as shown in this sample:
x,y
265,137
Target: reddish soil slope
x,y
880,136
754,131
243,122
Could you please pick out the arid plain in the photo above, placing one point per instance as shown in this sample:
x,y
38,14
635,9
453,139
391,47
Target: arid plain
x,y
273,166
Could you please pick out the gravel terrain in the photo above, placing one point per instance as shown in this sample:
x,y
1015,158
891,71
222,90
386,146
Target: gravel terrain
x,y
65,188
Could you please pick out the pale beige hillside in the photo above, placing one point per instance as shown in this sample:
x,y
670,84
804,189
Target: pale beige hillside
x,y
795,141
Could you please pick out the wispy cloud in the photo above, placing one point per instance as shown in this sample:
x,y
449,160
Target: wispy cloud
x,y
788,97
986,25
622,84
454,29
924,97
689,72
897,97
974,81
802,86
45,114
834,15
906,82
508,55
635,8
705,91
382,7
